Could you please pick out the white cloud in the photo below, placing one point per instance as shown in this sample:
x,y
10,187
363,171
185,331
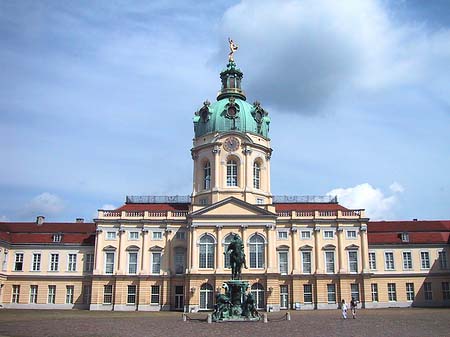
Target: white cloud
x,y
108,207
3,218
46,204
364,196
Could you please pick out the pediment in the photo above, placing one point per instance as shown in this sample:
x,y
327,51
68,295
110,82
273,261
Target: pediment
x,y
232,207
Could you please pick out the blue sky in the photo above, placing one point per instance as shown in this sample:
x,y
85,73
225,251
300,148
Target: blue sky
x,y
98,98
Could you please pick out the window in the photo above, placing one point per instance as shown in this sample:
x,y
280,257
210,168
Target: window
x,y
156,263
54,262
389,260
404,237
204,201
283,262
446,291
427,291
226,243
157,235
307,293
354,291
327,234
111,235
5,260
132,262
351,234
206,296
89,262
15,294
232,173
131,297
179,262
407,261
133,235
392,292
33,293
425,260
36,266
257,291
257,251
107,294
51,294
306,262
284,297
69,294
207,176
180,235
353,261
154,297
206,252
18,265
256,175
259,201
305,235
329,262
374,291
56,237
372,261
443,262
109,265
331,290
410,291
72,262
282,235
87,290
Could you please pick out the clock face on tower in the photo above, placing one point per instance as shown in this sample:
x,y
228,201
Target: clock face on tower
x,y
231,144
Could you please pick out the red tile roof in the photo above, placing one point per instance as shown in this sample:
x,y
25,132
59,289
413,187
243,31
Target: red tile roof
x,y
154,207
420,232
309,207
31,233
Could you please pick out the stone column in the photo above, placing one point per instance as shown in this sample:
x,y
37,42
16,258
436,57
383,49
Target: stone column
x,y
166,252
317,258
216,183
341,250
270,248
219,250
295,239
144,255
121,256
194,249
364,249
98,257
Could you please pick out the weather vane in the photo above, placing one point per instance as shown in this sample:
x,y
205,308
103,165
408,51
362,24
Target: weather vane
x,y
233,48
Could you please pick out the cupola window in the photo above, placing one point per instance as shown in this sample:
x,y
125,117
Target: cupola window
x,y
207,176
256,175
232,173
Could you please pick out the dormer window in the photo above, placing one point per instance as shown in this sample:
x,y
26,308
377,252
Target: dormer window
x,y
405,237
56,237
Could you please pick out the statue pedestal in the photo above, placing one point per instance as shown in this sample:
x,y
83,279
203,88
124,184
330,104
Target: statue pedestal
x,y
235,304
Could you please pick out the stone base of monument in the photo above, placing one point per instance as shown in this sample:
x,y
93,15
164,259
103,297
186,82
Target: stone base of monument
x,y
236,304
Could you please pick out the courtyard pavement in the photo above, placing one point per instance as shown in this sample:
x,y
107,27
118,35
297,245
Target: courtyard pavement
x,y
411,322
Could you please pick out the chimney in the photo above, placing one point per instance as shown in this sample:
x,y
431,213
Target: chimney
x,y
79,220
40,220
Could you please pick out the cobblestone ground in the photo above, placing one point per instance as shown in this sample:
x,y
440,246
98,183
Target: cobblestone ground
x,y
371,323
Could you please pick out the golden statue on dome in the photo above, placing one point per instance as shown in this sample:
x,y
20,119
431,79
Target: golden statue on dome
x,y
233,48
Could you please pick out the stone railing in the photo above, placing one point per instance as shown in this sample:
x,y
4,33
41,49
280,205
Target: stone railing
x,y
105,214
350,214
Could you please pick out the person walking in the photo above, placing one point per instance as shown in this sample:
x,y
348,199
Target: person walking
x,y
353,305
344,309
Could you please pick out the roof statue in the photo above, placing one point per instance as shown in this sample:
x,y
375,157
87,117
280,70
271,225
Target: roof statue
x,y
233,48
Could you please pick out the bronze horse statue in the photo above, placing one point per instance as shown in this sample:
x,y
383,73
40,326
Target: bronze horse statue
x,y
237,257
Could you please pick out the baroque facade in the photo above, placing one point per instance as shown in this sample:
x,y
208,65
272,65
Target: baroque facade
x,y
168,253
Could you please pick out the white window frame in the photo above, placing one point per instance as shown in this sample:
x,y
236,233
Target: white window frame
x,y
409,291
5,260
133,233
372,261
426,261
34,288
256,175
443,260
386,266
72,265
326,232
258,263
107,264
406,265
392,292
51,294
428,291
36,263
374,292
206,175
157,235
70,292
57,237
326,263
129,264
310,261
282,233
307,234
285,264
15,293
309,293
260,201
209,252
53,265
154,264
232,173
182,266
111,235
352,263
351,237
355,291
88,262
331,290
155,294
445,285
131,294
108,294
19,258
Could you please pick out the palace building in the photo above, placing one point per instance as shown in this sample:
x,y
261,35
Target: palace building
x,y
168,252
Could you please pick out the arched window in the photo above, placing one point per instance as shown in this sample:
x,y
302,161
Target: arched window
x,y
232,179
226,242
206,296
256,247
206,251
207,176
256,175
257,291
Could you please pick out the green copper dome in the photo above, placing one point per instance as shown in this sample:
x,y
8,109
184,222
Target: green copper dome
x,y
231,112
